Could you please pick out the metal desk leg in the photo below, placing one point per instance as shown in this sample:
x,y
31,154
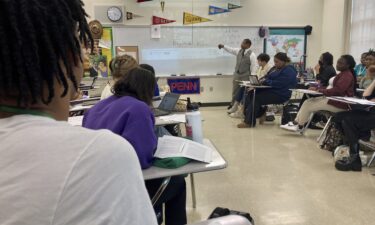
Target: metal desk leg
x,y
160,191
192,184
308,124
324,129
371,160
253,109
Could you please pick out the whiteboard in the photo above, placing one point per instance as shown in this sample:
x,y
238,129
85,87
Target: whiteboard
x,y
188,50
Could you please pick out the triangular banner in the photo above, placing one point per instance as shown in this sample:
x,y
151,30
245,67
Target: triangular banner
x,y
130,15
144,0
158,20
192,19
212,10
233,6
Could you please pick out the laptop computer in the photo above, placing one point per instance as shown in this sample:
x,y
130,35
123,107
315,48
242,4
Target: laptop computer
x,y
167,104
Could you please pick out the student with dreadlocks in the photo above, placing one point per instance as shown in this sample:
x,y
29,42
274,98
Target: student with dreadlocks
x,y
51,172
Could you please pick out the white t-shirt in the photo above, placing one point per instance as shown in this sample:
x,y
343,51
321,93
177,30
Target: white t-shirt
x,y
330,82
53,173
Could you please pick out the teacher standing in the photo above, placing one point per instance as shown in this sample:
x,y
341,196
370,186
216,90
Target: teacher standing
x,y
245,65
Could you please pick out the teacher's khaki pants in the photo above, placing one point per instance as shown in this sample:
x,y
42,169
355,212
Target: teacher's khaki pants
x,y
236,85
312,105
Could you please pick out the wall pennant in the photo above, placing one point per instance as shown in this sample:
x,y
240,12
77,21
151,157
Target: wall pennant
x,y
158,20
144,1
212,10
130,16
193,19
233,6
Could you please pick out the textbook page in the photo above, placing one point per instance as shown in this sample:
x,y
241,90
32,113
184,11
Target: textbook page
x,y
170,146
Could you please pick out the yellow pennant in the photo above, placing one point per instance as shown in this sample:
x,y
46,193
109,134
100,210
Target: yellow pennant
x,y
192,19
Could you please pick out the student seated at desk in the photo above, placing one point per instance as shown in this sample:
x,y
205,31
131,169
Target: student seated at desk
x,y
280,81
128,114
151,69
355,125
360,69
237,109
325,70
343,85
119,66
52,172
368,78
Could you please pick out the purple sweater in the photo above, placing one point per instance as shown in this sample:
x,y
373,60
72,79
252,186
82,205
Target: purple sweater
x,y
130,118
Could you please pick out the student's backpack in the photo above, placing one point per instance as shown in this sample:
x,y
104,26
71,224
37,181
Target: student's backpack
x,y
289,113
333,138
318,121
219,212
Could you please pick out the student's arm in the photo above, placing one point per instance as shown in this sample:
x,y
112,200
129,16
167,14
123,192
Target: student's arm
x,y
324,77
233,51
105,186
253,65
280,81
340,86
369,90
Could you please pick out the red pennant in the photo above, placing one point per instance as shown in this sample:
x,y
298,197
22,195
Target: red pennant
x,y
158,20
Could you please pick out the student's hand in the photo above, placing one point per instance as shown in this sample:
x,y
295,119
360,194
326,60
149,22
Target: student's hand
x,y
313,88
220,46
316,68
373,100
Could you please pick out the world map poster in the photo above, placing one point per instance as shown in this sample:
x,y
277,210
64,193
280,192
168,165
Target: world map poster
x,y
290,41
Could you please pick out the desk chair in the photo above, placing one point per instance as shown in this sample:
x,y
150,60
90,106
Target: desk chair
x,y
329,116
370,145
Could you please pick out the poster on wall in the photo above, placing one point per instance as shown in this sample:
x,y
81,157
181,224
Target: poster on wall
x,y
184,85
98,60
290,41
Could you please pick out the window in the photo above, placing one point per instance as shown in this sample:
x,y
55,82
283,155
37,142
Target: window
x,y
362,31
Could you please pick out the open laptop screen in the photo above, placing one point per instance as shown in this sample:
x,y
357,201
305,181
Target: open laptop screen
x,y
169,101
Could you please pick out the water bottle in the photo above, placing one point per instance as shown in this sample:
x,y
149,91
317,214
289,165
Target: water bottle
x,y
194,124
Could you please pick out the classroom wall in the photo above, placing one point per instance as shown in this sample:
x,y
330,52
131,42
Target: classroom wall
x,y
326,17
289,13
334,34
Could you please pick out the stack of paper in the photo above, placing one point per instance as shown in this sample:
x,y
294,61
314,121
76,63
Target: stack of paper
x,y
170,146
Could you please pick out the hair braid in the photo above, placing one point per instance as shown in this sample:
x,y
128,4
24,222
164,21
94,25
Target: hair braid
x,y
40,44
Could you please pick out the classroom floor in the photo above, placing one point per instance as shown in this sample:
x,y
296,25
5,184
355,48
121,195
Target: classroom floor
x,y
279,177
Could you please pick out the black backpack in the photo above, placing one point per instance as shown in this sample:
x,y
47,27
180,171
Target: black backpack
x,y
289,113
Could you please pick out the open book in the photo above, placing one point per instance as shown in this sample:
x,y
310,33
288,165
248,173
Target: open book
x,y
170,146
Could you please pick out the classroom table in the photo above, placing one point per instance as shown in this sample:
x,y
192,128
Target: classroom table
x,y
308,92
218,162
83,100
